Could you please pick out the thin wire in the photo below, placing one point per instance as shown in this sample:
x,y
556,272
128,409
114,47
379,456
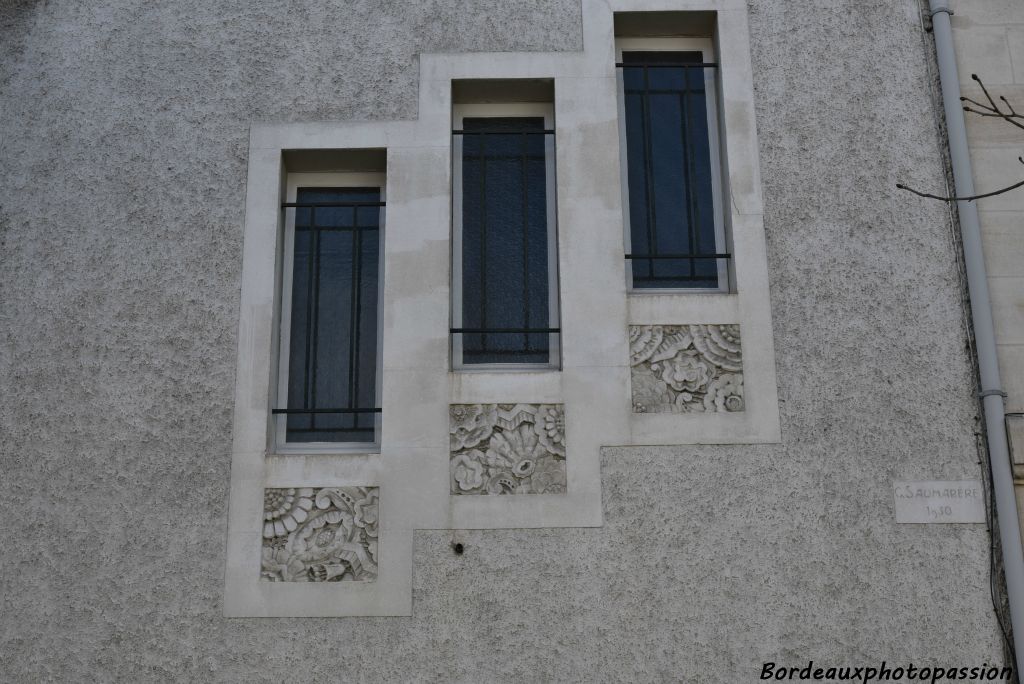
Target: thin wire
x,y
901,186
991,521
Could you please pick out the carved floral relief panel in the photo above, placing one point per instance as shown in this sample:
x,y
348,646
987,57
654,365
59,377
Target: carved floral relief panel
x,y
507,448
323,534
686,368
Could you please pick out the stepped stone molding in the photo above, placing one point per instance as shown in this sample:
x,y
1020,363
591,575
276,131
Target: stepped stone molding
x,y
507,449
326,534
417,384
686,368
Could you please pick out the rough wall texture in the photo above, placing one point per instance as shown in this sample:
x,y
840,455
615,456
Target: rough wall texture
x,y
123,130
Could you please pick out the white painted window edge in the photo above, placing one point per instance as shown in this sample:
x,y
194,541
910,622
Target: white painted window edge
x,y
322,180
707,49
523,109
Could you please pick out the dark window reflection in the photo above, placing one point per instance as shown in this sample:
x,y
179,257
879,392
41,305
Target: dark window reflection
x,y
333,350
505,276
669,170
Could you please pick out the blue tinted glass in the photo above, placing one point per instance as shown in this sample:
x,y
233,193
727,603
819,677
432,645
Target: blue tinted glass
x,y
332,360
505,277
668,155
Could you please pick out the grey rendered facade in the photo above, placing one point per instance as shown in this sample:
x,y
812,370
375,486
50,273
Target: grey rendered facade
x,y
125,138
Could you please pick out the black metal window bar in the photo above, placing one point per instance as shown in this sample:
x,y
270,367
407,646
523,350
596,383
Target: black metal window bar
x,y
660,87
506,263
332,378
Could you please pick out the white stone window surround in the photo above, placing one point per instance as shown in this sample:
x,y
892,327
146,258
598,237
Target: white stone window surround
x,y
677,44
294,181
511,109
411,469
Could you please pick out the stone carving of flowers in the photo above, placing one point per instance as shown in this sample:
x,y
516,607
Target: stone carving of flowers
x,y
502,483
684,402
365,513
524,468
643,341
284,510
345,561
511,416
319,536
496,460
674,367
337,505
686,372
550,428
674,340
725,393
506,447
324,538
649,391
282,565
470,424
371,549
719,344
548,477
274,564
330,534
512,446
467,471
327,551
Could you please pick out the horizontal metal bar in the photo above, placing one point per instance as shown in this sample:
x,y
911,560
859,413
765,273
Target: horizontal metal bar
x,y
329,410
456,331
336,228
668,65
474,156
500,131
303,205
677,279
313,431
685,90
679,256
504,352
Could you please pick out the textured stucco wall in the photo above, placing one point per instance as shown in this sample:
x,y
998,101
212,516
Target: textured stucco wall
x,y
123,130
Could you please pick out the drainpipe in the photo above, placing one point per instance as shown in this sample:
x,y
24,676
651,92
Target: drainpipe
x,y
981,312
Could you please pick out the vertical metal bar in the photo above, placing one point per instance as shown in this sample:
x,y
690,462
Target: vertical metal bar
x,y
309,312
526,243
313,323
353,328
552,276
377,331
688,171
645,119
483,244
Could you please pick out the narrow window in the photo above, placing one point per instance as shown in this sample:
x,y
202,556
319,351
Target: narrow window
x,y
505,308
328,385
675,232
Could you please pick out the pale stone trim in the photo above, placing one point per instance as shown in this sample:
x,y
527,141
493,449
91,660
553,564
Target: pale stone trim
x,y
412,468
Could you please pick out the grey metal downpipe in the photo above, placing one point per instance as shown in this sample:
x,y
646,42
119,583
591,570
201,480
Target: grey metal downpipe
x,y
981,313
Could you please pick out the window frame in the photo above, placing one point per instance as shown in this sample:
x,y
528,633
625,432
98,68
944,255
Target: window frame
x,y
293,182
706,46
460,112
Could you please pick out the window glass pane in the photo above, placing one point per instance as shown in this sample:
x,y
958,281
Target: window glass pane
x,y
671,210
505,261
332,360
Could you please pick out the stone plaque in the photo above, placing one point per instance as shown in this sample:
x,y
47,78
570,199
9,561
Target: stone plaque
x,y
939,501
